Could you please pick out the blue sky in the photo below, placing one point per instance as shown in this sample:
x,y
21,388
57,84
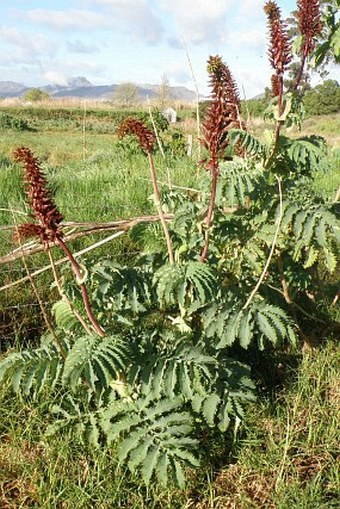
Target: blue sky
x,y
113,41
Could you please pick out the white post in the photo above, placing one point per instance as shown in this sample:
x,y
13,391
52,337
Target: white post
x,y
189,146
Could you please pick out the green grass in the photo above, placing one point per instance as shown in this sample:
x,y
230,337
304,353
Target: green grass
x,y
105,183
327,126
291,443
328,181
286,454
54,147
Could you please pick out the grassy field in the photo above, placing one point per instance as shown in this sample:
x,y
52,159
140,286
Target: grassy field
x,y
95,177
285,455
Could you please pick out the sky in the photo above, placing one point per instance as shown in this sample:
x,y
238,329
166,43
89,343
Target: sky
x,y
140,41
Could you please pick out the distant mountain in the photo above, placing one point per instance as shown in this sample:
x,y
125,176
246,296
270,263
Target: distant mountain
x,y
79,81
179,93
81,87
86,92
12,89
259,96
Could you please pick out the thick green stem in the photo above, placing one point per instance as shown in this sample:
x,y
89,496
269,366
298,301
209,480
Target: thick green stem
x,y
284,283
63,294
279,107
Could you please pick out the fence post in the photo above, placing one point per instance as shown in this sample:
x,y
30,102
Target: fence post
x,y
189,146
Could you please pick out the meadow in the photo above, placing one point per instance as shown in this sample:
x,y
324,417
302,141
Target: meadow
x,y
286,452
95,177
104,181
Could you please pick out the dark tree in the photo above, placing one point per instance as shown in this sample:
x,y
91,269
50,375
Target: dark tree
x,y
323,99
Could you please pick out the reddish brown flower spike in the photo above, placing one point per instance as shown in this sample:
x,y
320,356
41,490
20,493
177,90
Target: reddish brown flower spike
x,y
27,231
275,85
224,86
145,137
280,48
223,112
40,200
310,24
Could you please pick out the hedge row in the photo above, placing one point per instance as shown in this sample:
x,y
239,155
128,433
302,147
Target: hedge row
x,y
76,115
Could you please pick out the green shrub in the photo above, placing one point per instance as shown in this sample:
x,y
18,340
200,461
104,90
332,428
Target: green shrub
x,y
62,118
10,122
323,99
254,107
36,95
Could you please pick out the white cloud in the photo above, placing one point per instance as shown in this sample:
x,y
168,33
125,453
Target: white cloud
x,y
198,20
24,50
251,77
135,16
58,69
16,59
56,78
27,42
79,46
251,38
179,72
68,19
250,8
214,21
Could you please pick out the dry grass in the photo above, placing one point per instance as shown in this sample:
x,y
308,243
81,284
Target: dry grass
x,y
238,488
17,489
78,102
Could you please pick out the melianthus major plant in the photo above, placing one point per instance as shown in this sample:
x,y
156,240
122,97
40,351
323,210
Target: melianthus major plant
x,y
238,266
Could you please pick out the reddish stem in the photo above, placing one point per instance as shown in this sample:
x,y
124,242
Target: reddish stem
x,y
299,76
279,105
210,213
278,123
77,271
